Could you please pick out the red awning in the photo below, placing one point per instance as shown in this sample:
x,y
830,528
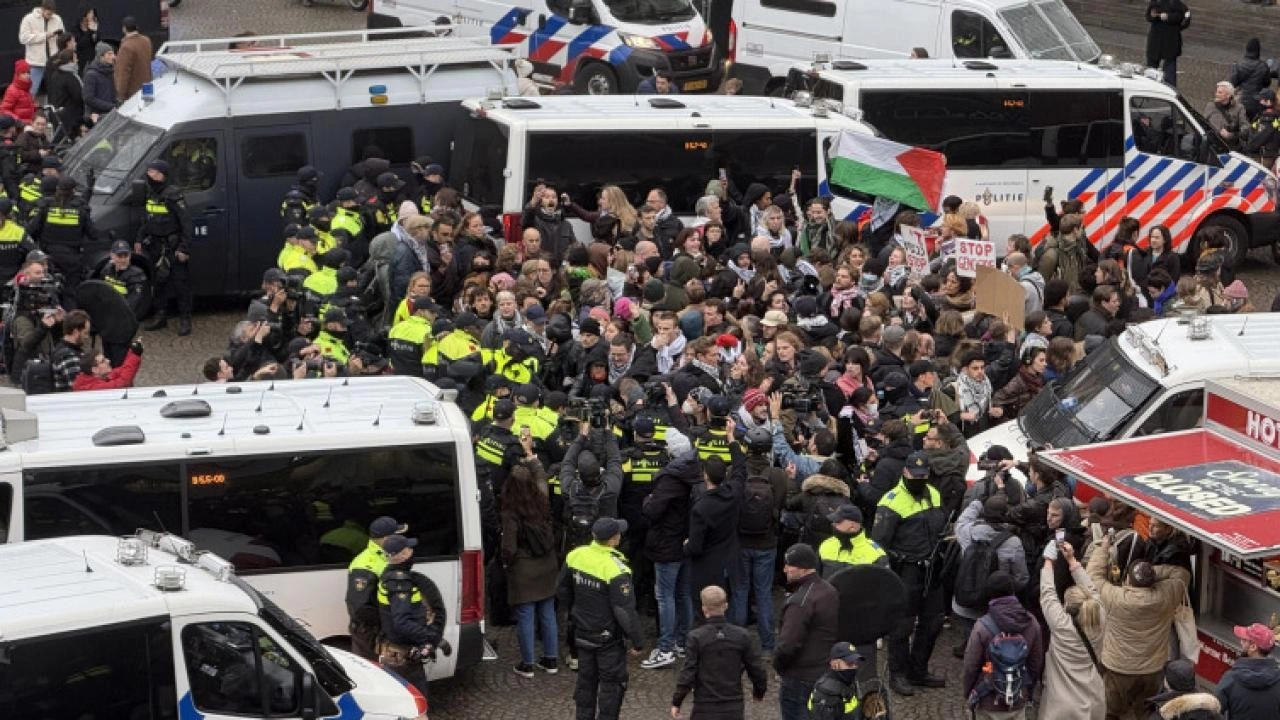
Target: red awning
x,y
1200,481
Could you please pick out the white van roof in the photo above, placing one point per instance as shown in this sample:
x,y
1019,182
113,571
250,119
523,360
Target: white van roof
x,y
243,419
1237,345
70,583
645,112
317,71
948,74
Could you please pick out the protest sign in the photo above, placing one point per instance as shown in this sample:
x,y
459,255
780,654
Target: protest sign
x,y
996,293
972,254
913,241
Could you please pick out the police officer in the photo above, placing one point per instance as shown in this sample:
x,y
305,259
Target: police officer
x,y
321,221
308,185
850,546
411,612
14,242
384,207
34,186
333,336
596,589
712,441
1264,131
299,258
363,575
10,167
131,282
497,451
346,213
324,281
526,396
909,521
835,695
300,198
407,340
164,237
61,226
640,464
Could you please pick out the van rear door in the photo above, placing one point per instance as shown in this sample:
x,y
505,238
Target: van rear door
x,y
198,159
267,159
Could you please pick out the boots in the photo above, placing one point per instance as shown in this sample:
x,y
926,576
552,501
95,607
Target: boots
x,y
159,322
184,326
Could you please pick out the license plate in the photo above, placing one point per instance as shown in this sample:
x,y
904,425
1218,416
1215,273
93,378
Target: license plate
x,y
695,85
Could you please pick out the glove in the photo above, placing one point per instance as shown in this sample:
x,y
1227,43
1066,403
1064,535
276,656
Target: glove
x,y
136,347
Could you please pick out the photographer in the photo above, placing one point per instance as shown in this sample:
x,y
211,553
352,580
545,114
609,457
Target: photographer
x,y
101,376
590,490
37,316
248,352
821,445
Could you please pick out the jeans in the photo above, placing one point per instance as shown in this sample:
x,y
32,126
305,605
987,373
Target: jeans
x,y
793,698
675,612
1169,68
37,74
755,578
541,613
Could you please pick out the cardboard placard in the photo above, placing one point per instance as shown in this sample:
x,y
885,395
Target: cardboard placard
x,y
995,292
913,241
972,254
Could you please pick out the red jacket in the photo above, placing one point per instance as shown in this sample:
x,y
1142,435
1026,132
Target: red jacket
x,y
17,102
121,377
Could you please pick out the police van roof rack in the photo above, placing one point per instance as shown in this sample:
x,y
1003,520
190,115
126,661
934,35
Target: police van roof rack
x,y
335,56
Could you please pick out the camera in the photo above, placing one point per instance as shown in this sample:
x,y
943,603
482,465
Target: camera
x,y
37,297
655,393
803,396
594,411
293,289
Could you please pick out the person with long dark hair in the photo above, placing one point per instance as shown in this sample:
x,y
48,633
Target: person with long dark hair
x,y
529,558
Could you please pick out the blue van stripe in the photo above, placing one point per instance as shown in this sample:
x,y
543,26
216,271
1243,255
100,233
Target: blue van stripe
x,y
674,41
1195,185
619,54
1128,143
547,32
1251,185
1137,162
1147,179
507,23
586,39
1235,174
1086,183
1177,178
1113,184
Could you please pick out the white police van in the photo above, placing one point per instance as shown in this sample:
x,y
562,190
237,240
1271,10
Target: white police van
x,y
255,115
1015,132
596,46
582,143
770,35
146,627
282,480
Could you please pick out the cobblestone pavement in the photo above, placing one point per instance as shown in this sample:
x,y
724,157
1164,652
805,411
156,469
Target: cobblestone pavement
x,y
492,691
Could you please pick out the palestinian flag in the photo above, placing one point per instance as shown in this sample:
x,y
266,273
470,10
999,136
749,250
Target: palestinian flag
x,y
908,175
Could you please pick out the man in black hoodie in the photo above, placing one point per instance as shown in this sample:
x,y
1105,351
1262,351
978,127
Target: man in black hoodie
x,y
758,540
713,523
1249,76
810,621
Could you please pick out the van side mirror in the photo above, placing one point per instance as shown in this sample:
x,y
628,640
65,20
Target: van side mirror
x,y
309,704
581,12
137,193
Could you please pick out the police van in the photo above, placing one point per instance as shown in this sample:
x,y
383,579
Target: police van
x,y
581,143
282,480
235,126
147,627
1146,381
771,35
1018,132
595,46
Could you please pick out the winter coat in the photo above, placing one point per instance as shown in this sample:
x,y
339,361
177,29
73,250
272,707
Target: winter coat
x,y
807,629
1009,555
1092,322
948,468
892,459
1135,640
1164,38
801,504
1011,618
1029,515
33,33
1249,76
1198,706
1072,682
133,65
1018,392
18,102
1033,290
1232,117
1063,258
530,577
99,88
1250,690
667,508
713,533
66,92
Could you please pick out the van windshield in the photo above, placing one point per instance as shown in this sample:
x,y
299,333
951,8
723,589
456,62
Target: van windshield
x,y
1049,31
650,11
329,671
111,151
1090,403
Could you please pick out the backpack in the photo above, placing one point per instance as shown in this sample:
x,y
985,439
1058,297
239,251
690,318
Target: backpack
x,y
582,509
755,517
37,376
816,525
977,562
1004,674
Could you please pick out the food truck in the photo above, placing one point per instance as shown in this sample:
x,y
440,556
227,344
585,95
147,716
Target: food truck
x,y
1220,484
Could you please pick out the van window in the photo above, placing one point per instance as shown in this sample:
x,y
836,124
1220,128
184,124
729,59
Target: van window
x,y
480,162
396,144
194,162
1048,30
559,7
1160,128
236,668
973,36
6,508
115,671
267,155
111,150
1181,411
974,128
1077,128
808,7
313,509
106,500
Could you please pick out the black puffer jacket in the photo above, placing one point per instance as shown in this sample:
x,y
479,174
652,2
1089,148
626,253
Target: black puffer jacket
x,y
1249,76
667,508
892,458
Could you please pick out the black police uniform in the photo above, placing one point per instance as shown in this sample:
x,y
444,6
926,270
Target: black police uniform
x,y
166,231
497,451
10,169
413,617
131,283
61,229
14,246
640,465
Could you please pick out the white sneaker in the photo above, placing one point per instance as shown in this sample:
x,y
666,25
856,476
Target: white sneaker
x,y
658,659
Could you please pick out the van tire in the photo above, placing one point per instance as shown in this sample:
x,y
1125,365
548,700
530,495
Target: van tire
x,y
595,79
358,5
1237,236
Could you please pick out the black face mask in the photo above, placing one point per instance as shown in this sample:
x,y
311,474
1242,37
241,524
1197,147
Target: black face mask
x,y
845,538
310,186
431,188
847,676
154,184
322,225
916,486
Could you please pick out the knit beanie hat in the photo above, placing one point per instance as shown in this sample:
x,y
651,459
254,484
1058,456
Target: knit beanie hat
x,y
101,49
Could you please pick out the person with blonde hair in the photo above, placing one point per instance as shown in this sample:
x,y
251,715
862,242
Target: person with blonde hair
x,y
1073,685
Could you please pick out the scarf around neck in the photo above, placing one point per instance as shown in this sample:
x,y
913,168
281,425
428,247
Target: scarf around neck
x,y
667,356
978,392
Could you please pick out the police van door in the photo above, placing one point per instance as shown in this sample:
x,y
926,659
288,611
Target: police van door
x,y
197,160
1167,167
266,162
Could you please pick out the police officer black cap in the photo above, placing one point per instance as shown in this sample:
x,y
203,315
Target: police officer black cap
x,y
441,325
390,180
607,527
718,406
51,162
419,302
319,212
466,320
121,247
527,394
335,258
846,512
846,652
306,232
1267,94
503,409
291,230
396,544
308,174
335,315
347,193
917,465
159,166
518,336
643,426
273,276
386,526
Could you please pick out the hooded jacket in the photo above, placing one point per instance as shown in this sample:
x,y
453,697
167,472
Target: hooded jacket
x,y
1072,682
99,88
18,102
1195,706
1250,690
1009,556
1012,619
1135,640
713,531
1033,288
1250,75
948,468
667,508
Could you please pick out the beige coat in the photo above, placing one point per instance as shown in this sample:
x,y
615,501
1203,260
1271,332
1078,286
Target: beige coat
x,y
1072,683
37,36
133,65
1136,636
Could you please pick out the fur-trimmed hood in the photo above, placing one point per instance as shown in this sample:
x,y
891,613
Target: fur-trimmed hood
x,y
1191,705
824,485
